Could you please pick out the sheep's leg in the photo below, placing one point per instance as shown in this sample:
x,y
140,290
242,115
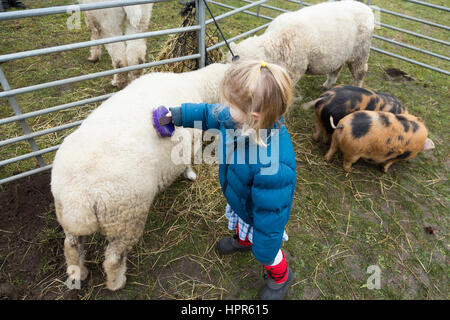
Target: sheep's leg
x,y
358,70
331,79
359,66
108,24
190,174
296,76
297,99
117,51
93,25
137,49
74,253
115,264
123,228
136,53
96,51
111,27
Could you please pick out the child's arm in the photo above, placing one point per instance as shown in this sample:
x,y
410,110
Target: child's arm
x,y
209,115
272,197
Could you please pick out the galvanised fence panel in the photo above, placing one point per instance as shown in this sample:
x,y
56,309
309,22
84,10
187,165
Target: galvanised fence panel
x,y
245,7
11,93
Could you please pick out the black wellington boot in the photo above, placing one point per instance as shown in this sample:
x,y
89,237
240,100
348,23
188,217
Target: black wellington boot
x,y
276,291
230,245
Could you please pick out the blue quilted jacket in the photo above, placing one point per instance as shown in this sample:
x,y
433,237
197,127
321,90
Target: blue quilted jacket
x,y
258,182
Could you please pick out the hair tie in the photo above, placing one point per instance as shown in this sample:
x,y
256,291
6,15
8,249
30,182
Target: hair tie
x,y
263,64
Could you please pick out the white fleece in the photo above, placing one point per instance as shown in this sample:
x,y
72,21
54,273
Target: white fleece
x,y
113,22
106,173
319,39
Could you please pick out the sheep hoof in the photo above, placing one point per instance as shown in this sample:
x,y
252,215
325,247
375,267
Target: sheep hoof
x,y
117,283
74,272
84,273
296,99
93,59
118,84
190,174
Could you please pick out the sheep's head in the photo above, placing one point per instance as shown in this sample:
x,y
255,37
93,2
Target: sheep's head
x,y
247,49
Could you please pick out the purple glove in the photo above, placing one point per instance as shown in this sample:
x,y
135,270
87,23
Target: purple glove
x,y
162,123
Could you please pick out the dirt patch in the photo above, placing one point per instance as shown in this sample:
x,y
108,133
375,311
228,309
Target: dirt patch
x,y
30,248
181,276
32,264
310,293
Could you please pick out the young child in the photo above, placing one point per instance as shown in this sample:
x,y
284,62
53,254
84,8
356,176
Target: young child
x,y
259,192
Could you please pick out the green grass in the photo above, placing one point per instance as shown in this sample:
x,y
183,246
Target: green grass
x,y
340,223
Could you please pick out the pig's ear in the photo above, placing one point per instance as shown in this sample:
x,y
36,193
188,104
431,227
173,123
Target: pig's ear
x,y
429,144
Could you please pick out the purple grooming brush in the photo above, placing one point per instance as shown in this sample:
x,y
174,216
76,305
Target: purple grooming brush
x,y
163,125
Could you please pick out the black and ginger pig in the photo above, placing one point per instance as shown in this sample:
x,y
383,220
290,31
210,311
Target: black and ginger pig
x,y
378,137
343,100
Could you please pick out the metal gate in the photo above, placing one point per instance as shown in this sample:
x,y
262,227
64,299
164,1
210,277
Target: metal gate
x,y
249,7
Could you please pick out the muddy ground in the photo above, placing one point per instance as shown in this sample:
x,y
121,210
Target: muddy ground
x,y
26,206
32,264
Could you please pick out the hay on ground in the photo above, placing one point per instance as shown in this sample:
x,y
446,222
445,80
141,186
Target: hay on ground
x,y
185,43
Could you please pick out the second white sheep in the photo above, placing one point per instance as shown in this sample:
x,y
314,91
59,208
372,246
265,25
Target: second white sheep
x,y
316,40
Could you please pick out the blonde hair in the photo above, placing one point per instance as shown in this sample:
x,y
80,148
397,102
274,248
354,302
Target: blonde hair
x,y
257,86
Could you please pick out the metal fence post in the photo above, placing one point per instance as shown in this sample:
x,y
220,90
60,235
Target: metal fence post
x,y
18,112
201,34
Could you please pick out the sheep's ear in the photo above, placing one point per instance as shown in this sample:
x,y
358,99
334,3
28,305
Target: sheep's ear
x,y
429,144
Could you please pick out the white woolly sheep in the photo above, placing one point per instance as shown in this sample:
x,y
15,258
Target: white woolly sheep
x,y
107,23
106,174
319,39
